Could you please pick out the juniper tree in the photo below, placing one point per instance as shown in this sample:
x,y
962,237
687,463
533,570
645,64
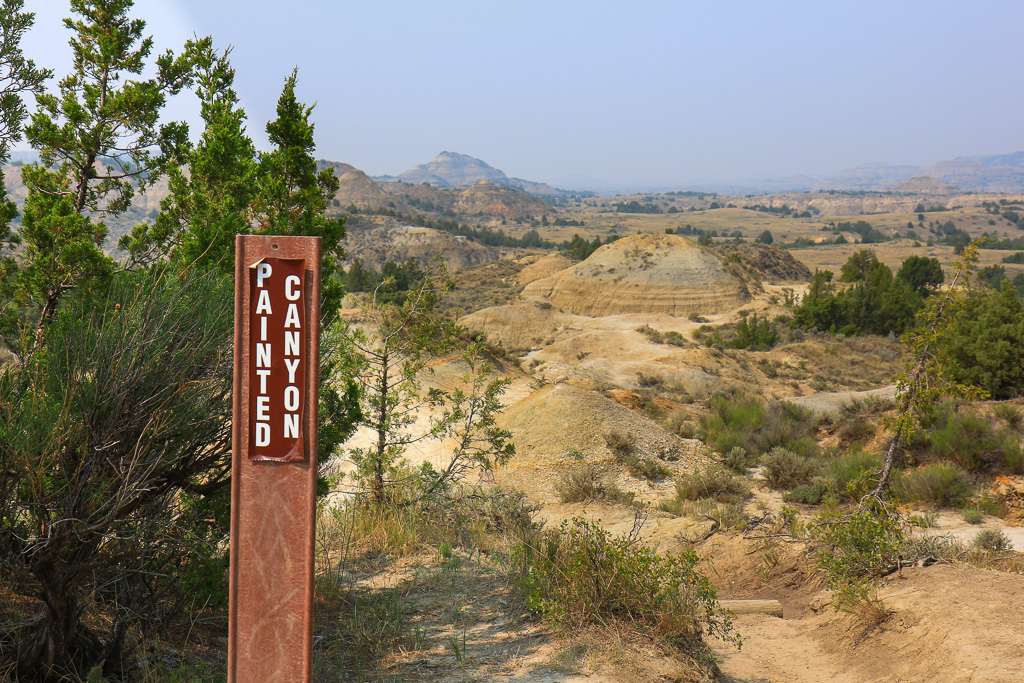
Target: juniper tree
x,y
210,199
18,77
291,195
98,139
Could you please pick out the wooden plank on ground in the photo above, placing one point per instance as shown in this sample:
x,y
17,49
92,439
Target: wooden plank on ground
x,y
771,607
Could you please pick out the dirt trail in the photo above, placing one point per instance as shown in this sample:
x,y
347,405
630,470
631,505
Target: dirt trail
x,y
954,624
780,651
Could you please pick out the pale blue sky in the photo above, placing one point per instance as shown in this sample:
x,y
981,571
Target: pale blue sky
x,y
632,92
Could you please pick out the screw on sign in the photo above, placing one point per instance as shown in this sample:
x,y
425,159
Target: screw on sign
x,y
276,363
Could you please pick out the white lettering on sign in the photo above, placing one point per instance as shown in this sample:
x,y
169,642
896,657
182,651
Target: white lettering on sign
x,y
291,344
263,304
263,355
262,434
290,291
292,364
292,319
291,426
277,380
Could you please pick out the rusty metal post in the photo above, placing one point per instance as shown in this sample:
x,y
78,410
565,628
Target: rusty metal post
x,y
274,458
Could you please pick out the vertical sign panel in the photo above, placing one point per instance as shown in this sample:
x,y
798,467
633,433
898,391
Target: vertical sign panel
x,y
277,378
273,473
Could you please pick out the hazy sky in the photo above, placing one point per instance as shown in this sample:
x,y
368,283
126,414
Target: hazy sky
x,y
630,92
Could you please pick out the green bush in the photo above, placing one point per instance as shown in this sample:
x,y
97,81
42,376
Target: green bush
x,y
992,540
1013,453
808,494
787,425
738,460
731,421
940,483
942,548
620,445
877,303
580,574
675,338
969,440
728,515
679,423
645,468
858,545
754,334
624,450
854,473
856,431
1009,413
108,437
784,469
745,422
985,344
712,481
972,515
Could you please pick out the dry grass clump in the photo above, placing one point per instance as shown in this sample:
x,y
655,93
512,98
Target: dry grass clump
x,y
992,540
712,481
940,483
579,575
671,337
784,469
586,483
623,449
1010,415
742,421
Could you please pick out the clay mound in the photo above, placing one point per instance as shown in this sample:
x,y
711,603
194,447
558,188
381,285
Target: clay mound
x,y
339,168
522,325
487,198
355,187
542,268
418,198
765,262
645,274
925,185
394,242
550,422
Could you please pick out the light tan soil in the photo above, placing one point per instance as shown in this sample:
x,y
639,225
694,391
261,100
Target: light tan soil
x,y
949,623
579,382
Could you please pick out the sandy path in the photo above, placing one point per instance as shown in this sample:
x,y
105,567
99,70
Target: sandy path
x,y
780,651
954,624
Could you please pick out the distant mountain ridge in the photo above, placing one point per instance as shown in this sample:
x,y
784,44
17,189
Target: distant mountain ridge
x,y
998,173
451,169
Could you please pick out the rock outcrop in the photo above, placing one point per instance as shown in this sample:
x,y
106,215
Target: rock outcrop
x,y
355,188
451,169
396,242
544,267
645,274
485,197
765,262
919,185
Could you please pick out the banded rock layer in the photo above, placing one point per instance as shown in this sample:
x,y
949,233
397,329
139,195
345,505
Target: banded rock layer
x,y
645,274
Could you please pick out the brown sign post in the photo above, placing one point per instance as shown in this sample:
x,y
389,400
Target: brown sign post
x,y
274,461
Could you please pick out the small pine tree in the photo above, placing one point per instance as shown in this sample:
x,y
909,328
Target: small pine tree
x,y
402,340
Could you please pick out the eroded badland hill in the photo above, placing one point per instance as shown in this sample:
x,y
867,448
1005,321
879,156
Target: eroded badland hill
x,y
658,390
630,401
